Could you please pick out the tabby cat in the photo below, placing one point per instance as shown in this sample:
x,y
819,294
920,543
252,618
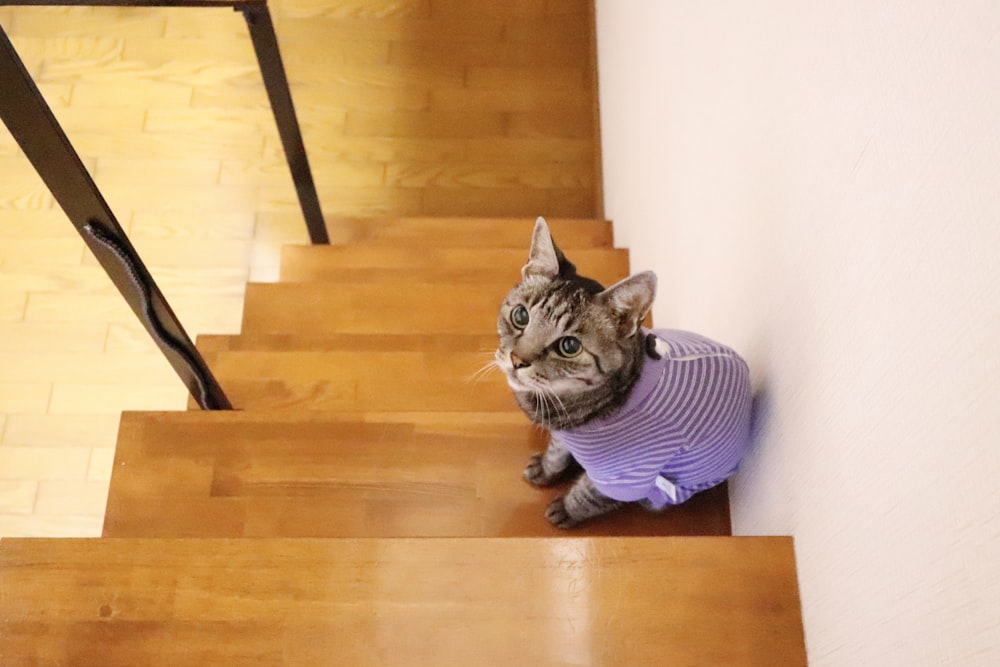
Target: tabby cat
x,y
651,416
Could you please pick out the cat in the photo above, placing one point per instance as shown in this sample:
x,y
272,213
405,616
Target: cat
x,y
651,416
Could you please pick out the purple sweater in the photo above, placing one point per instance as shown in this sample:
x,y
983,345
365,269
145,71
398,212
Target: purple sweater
x,y
683,429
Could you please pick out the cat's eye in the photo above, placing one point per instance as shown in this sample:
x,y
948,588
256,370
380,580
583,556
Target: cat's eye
x,y
569,346
519,317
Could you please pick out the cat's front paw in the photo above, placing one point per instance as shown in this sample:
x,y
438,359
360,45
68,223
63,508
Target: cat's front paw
x,y
535,473
558,515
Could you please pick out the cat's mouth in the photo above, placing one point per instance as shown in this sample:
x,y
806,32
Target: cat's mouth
x,y
514,380
517,383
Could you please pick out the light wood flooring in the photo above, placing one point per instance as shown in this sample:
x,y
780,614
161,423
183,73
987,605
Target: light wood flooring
x,y
408,107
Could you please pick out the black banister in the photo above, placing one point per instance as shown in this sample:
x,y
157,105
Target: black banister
x,y
36,130
265,45
34,127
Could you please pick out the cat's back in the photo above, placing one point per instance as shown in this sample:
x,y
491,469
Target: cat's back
x,y
700,386
678,345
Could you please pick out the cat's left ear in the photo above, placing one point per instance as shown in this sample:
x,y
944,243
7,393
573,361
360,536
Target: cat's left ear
x,y
543,258
630,300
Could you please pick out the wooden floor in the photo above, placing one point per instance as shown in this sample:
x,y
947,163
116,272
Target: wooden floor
x,y
415,107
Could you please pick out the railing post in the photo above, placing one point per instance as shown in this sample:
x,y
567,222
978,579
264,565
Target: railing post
x,y
37,132
265,44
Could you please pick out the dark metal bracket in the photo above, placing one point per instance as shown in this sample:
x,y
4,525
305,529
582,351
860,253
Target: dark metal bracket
x,y
37,132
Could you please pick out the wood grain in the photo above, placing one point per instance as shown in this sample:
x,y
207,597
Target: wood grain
x,y
460,232
400,602
380,342
384,307
344,380
304,474
302,263
167,109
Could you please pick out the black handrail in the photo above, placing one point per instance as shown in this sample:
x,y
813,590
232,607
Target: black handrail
x,y
265,44
34,127
36,130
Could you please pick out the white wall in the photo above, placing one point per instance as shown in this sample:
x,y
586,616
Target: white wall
x,y
818,184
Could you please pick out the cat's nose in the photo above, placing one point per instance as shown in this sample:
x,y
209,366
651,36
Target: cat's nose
x,y
517,362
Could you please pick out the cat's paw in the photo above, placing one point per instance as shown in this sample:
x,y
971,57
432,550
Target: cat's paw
x,y
535,473
558,515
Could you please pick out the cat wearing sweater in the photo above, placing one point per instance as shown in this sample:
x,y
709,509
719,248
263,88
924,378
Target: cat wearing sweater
x,y
652,416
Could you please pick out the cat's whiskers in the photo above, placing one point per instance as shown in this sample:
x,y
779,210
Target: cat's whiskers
x,y
551,404
559,402
543,403
481,374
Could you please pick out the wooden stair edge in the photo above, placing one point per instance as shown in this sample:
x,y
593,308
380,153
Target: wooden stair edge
x,y
500,266
400,601
376,342
403,306
512,232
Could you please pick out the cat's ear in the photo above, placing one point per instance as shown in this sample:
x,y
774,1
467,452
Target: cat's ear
x,y
629,301
543,258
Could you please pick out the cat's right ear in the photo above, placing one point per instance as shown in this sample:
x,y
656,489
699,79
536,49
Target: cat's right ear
x,y
629,301
543,258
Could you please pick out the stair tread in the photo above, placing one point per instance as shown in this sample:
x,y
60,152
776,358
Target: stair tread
x,y
397,381
467,232
374,342
408,307
400,601
300,474
319,309
465,265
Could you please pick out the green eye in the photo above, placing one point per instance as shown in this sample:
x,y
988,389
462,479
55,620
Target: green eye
x,y
569,346
519,317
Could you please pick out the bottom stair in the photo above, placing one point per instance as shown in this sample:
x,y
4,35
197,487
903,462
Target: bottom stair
x,y
514,601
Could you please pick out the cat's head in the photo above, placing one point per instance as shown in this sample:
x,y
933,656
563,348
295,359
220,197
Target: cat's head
x,y
569,348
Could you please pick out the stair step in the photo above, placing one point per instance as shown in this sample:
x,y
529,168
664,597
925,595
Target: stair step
x,y
403,381
625,601
461,265
350,342
467,232
309,475
367,308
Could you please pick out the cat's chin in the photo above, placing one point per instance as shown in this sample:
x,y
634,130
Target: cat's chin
x,y
517,385
514,382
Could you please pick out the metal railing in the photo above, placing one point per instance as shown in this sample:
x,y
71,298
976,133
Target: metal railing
x,y
36,130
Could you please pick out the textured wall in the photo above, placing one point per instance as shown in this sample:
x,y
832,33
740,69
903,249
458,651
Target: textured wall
x,y
817,184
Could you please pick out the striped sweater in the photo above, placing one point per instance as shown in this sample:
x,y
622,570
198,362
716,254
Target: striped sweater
x,y
683,429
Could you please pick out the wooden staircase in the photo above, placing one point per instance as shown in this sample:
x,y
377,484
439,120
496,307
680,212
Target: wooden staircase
x,y
380,478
